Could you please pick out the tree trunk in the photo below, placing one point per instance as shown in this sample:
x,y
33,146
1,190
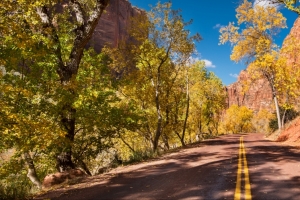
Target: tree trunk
x,y
283,117
187,108
277,112
82,164
158,131
31,171
166,141
64,159
127,144
180,138
276,104
272,84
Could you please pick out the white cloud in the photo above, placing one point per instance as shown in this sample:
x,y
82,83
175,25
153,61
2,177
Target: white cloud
x,y
234,75
218,26
193,60
209,64
266,3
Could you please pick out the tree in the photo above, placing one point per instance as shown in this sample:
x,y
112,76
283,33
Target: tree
x,y
60,32
255,43
160,46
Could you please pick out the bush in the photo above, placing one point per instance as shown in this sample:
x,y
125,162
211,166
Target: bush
x,y
289,115
15,187
273,124
139,156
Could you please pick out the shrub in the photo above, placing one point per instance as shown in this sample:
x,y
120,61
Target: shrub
x,y
288,114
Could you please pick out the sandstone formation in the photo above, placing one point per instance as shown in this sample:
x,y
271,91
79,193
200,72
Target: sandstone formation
x,y
113,23
259,94
293,39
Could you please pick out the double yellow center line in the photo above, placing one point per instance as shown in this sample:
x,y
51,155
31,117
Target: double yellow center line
x,y
242,168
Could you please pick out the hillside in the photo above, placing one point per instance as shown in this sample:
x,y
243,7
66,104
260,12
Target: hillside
x,y
290,135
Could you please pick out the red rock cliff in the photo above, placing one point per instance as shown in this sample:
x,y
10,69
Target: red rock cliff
x,y
112,25
259,95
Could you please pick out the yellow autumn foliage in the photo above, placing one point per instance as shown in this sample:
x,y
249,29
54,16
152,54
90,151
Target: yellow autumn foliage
x,y
237,119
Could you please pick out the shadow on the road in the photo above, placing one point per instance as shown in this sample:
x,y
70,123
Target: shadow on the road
x,y
207,172
196,173
274,169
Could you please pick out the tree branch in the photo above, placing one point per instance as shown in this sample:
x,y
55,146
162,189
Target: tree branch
x,y
44,14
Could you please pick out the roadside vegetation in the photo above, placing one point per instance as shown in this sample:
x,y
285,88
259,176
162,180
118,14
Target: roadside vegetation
x,y
63,106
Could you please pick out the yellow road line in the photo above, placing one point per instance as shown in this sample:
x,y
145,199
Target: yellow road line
x,y
237,194
242,166
247,180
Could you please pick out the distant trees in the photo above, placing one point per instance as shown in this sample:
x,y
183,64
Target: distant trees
x,y
207,101
238,119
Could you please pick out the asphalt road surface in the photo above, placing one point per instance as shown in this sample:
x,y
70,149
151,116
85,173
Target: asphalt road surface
x,y
228,167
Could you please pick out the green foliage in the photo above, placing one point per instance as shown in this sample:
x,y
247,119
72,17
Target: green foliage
x,y
14,183
139,156
287,115
273,125
15,187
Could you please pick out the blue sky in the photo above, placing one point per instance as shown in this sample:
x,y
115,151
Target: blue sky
x,y
207,18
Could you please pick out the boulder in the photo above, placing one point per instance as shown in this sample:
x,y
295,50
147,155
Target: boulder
x,y
62,177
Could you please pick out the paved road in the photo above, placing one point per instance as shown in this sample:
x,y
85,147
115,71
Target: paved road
x,y
209,171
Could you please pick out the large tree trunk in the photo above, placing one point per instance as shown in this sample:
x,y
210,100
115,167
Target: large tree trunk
x,y
32,175
68,120
85,26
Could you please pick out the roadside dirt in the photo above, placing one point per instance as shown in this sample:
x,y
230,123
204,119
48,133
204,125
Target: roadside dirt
x,y
290,135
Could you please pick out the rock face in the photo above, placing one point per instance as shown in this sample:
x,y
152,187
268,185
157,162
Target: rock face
x,y
292,54
259,94
113,23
